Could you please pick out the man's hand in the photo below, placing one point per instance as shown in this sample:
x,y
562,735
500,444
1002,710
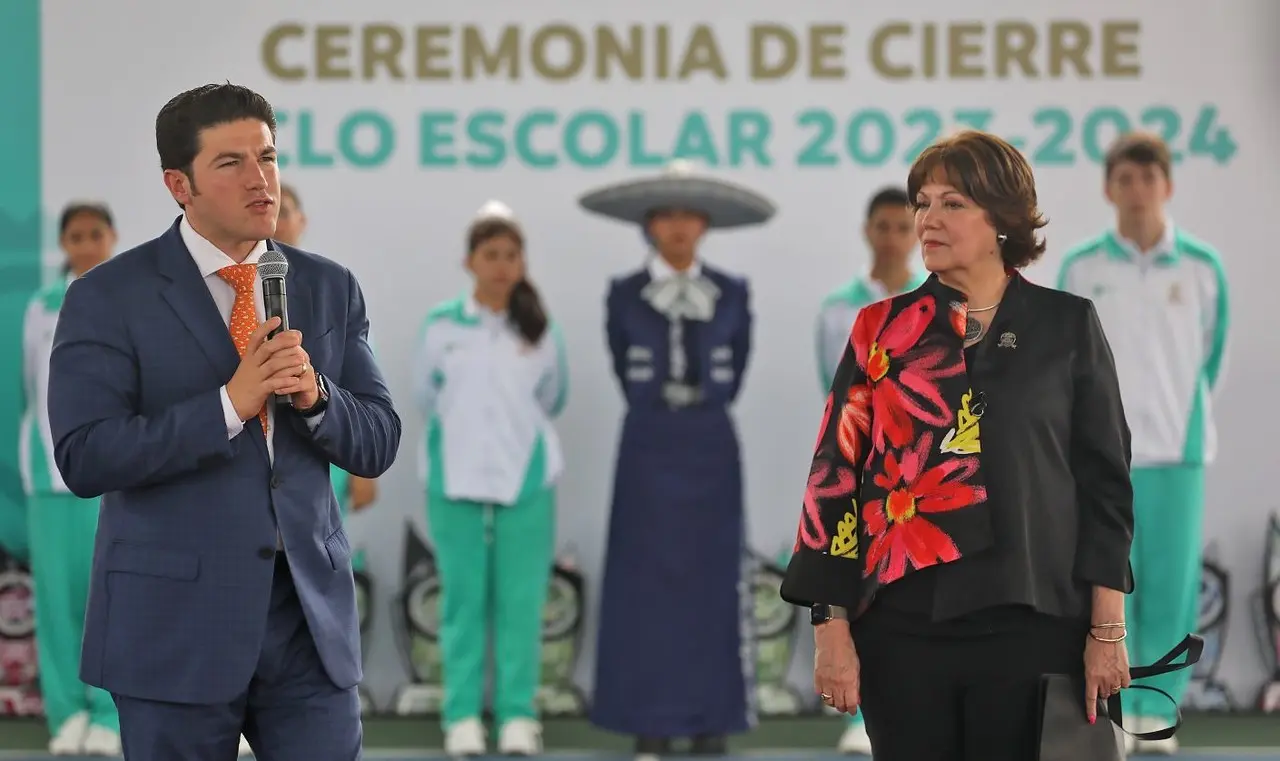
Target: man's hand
x,y
267,367
302,384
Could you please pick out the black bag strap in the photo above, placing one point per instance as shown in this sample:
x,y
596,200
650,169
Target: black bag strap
x,y
1192,646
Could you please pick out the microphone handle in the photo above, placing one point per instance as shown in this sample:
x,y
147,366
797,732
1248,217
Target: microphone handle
x,y
275,303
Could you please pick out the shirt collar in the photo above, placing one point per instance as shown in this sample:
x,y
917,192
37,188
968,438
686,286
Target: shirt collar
x,y
207,256
660,270
877,290
1165,250
473,309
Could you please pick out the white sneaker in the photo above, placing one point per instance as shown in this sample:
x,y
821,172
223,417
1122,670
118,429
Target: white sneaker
x,y
855,740
465,738
100,741
1166,747
245,750
520,737
69,740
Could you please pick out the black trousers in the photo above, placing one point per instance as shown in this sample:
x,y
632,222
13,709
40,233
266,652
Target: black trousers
x,y
941,692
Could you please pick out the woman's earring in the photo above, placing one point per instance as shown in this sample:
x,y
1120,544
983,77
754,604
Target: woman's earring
x,y
1001,238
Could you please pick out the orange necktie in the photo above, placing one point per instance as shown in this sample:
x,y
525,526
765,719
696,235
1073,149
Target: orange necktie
x,y
244,319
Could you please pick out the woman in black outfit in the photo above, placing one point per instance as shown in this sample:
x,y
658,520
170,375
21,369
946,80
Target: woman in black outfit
x,y
969,513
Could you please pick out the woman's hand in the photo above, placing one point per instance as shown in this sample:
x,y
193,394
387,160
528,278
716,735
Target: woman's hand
x,y
836,671
1106,669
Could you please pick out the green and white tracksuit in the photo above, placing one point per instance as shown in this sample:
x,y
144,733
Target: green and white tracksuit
x,y
1165,313
61,532
491,458
835,323
836,316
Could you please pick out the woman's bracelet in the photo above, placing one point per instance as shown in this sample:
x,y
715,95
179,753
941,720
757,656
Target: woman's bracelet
x,y
1096,638
1120,625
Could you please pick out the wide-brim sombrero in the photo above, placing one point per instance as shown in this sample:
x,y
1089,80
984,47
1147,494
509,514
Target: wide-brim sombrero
x,y
725,204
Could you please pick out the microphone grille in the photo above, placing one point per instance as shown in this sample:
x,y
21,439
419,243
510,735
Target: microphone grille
x,y
272,264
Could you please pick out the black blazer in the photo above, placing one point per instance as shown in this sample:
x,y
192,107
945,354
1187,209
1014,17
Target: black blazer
x,y
1010,475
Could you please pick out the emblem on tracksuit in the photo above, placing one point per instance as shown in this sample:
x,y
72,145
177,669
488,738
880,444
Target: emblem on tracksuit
x,y
1008,341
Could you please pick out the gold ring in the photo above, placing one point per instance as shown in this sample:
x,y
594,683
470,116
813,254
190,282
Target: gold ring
x,y
304,368
824,696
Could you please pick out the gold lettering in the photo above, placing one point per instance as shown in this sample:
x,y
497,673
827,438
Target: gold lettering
x,y
543,38
702,54
1120,57
382,44
332,52
826,53
1006,49
555,52
630,59
1068,41
432,54
963,45
1015,42
762,66
271,52
879,60
506,53
845,542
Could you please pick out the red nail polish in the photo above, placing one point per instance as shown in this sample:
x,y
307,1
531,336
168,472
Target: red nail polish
x,y
1093,719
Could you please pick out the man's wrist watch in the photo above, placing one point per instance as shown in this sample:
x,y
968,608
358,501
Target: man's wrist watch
x,y
322,399
820,614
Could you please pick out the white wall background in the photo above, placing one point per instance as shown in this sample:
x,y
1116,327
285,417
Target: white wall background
x,y
109,67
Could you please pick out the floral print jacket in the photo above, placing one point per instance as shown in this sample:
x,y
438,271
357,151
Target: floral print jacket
x,y
897,481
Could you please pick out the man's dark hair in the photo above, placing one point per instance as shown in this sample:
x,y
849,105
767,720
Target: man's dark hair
x,y
888,197
180,122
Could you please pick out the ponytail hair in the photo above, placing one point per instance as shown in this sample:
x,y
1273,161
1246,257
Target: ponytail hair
x,y
525,311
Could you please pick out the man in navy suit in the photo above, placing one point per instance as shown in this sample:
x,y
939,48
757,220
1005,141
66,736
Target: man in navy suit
x,y
222,601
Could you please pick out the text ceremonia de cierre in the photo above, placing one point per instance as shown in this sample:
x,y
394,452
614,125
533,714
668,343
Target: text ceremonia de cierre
x,y
1014,49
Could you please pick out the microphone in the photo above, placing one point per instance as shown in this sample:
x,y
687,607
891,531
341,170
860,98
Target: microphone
x,y
272,267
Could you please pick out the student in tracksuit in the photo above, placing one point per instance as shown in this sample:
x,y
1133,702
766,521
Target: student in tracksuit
x,y
891,236
353,492
82,720
490,374
1162,297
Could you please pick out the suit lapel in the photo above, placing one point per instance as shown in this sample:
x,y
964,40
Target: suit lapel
x,y
188,297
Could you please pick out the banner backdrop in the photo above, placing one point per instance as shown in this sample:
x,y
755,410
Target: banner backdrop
x,y
398,119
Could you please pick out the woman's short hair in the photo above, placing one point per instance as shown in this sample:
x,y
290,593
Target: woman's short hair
x,y
998,178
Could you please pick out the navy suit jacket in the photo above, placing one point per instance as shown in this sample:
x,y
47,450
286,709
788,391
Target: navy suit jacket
x,y
183,561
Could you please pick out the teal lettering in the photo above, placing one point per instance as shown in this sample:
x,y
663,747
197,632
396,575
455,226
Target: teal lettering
x,y
1210,139
816,152
931,129
749,133
435,133
524,139
1054,151
384,145
307,153
855,142
637,153
282,158
694,141
1095,147
573,139
978,119
1168,124
484,128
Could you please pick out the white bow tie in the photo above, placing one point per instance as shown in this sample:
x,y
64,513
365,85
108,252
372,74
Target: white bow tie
x,y
681,297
